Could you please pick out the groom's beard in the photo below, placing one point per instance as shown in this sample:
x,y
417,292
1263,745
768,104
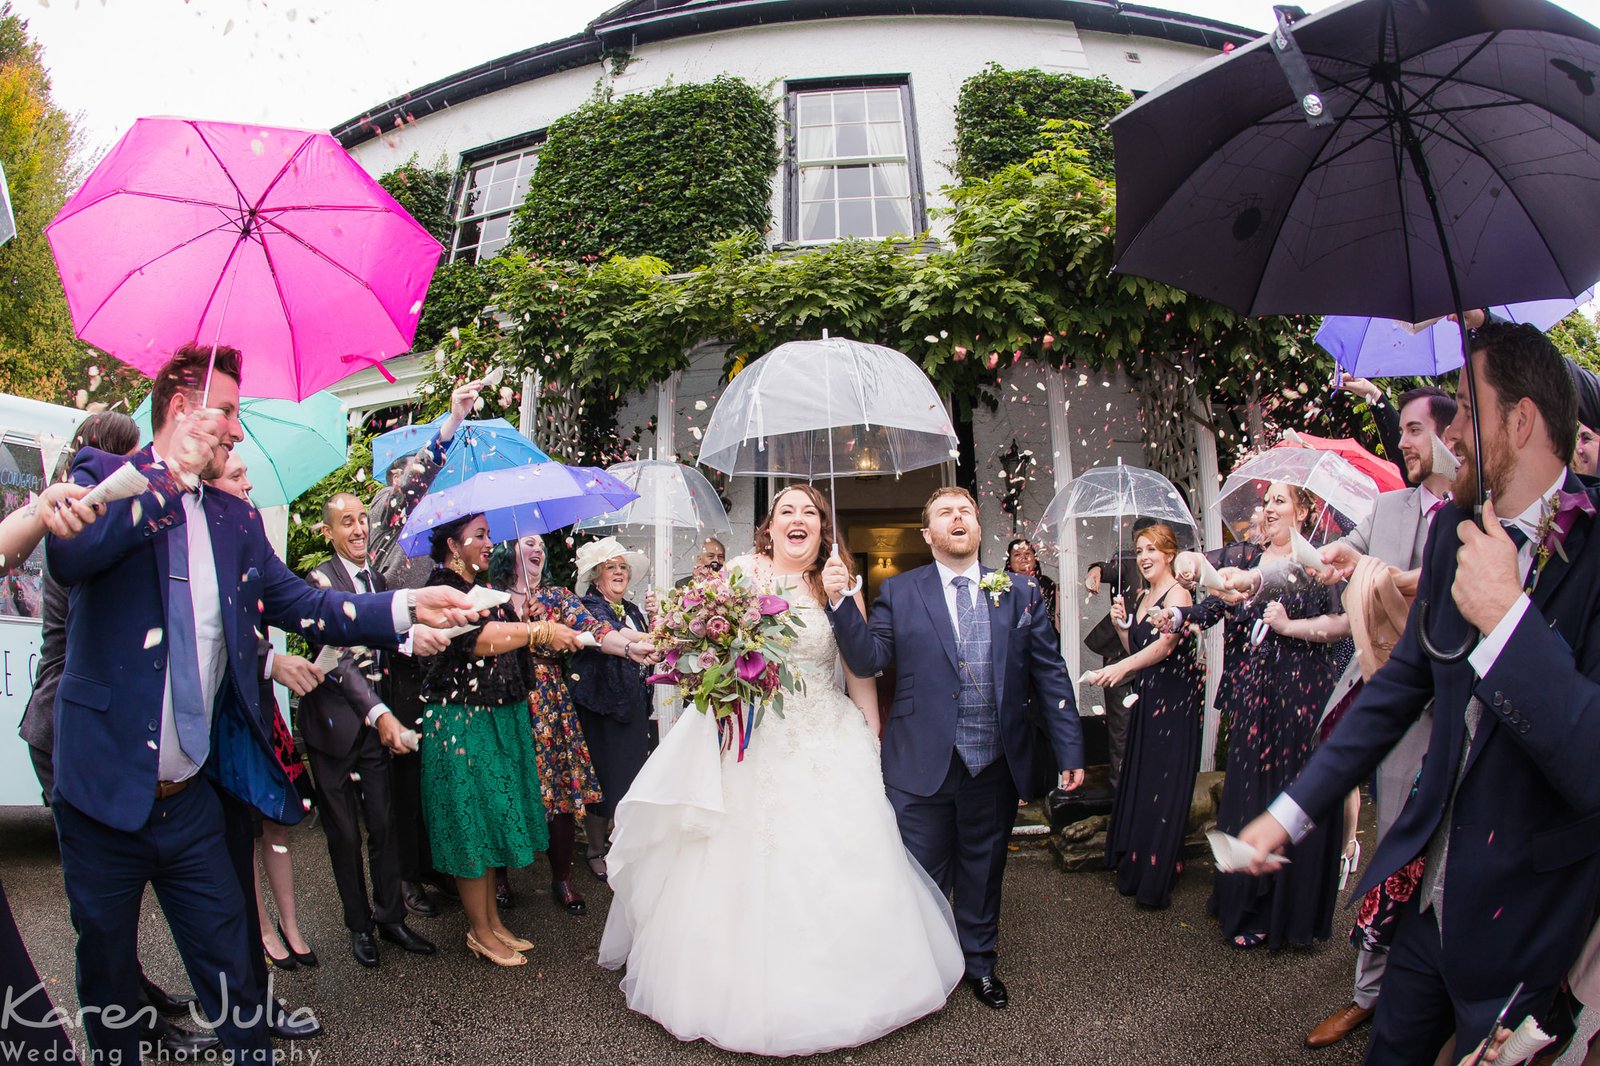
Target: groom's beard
x,y
963,547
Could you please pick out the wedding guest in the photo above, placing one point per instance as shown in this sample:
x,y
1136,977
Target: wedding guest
x,y
610,694
480,787
1586,455
1021,559
566,773
1385,418
116,433
409,479
1105,640
1150,818
1282,668
709,560
285,946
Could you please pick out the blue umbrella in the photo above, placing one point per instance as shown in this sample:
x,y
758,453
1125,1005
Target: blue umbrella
x,y
288,447
1382,347
528,499
479,445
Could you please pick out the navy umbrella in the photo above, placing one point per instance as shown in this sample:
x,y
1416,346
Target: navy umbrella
x,y
1399,159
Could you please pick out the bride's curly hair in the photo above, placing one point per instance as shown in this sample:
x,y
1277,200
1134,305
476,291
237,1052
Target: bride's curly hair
x,y
813,574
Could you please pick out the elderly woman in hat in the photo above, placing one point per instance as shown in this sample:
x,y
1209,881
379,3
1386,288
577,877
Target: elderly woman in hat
x,y
566,773
612,697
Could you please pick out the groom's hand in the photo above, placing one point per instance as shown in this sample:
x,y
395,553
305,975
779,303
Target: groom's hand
x,y
835,579
1070,780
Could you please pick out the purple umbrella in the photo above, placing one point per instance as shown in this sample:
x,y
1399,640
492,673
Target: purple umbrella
x,y
1384,348
271,240
526,499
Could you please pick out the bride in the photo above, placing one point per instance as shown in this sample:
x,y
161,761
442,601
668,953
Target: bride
x,y
769,905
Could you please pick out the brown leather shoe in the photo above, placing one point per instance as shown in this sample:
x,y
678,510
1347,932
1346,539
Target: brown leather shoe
x,y
1338,1025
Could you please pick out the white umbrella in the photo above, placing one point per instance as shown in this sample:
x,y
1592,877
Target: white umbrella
x,y
676,511
829,408
1346,493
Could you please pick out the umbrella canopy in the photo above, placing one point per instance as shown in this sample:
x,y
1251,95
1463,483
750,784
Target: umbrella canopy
x,y
271,240
478,446
1384,474
1117,492
677,509
829,408
1485,111
528,499
1345,493
287,448
1382,347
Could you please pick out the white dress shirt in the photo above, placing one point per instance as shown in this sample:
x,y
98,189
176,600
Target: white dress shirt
x,y
380,708
1289,813
946,576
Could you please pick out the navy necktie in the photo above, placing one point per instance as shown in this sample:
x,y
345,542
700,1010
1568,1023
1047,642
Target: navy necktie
x,y
1514,531
183,654
365,579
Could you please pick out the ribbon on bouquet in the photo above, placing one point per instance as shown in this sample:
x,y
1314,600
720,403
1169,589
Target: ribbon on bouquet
x,y
734,730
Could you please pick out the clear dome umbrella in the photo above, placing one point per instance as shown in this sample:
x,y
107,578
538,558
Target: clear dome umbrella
x,y
1346,494
1111,496
829,408
676,511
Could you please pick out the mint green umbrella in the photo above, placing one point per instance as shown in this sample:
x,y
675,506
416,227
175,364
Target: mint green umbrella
x,y
288,447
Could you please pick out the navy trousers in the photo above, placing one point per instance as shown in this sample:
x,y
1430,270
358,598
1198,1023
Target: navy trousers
x,y
182,851
1416,1013
961,835
30,1031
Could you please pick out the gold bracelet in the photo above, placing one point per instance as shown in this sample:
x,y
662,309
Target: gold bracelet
x,y
530,635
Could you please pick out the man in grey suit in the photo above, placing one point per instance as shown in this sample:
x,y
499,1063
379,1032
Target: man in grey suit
x,y
1396,532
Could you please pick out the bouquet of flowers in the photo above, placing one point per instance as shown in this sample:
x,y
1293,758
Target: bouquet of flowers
x,y
726,646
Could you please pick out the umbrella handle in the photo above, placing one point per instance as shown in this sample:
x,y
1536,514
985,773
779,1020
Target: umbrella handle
x,y
861,579
1433,651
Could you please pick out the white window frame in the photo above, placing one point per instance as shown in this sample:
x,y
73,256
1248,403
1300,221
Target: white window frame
x,y
471,164
909,157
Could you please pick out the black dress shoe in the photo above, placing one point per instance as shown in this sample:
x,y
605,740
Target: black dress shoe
x,y
364,948
417,901
990,992
503,897
306,958
181,1044
400,933
298,1024
567,897
164,1002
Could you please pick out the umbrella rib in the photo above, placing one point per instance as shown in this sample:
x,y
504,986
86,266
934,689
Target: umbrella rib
x,y
287,163
140,268
1453,75
320,254
277,287
222,167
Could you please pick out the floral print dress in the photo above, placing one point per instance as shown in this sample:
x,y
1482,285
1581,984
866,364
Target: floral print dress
x,y
566,775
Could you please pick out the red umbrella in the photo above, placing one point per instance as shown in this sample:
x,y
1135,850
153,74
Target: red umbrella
x,y
271,240
1383,473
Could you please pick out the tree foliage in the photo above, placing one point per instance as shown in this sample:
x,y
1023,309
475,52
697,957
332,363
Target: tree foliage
x,y
425,193
39,354
1578,337
1001,118
665,173
307,547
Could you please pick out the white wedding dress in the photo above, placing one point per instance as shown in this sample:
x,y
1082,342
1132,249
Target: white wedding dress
x,y
768,905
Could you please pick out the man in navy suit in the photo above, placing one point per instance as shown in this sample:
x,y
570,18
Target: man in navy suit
x,y
1505,822
958,749
157,715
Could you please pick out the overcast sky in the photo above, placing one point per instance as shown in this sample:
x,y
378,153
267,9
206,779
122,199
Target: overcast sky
x,y
314,63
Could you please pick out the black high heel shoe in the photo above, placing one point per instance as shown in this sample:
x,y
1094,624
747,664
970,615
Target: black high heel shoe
x,y
306,958
567,897
286,964
503,897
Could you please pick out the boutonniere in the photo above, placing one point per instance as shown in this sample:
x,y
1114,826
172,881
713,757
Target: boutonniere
x,y
996,583
1560,514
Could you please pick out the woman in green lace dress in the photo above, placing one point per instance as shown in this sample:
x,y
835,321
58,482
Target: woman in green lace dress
x,y
480,791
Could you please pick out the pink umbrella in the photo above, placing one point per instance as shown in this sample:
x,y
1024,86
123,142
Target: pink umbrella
x,y
271,240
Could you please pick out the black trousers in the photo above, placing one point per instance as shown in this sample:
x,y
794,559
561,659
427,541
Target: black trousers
x,y
960,835
354,786
184,851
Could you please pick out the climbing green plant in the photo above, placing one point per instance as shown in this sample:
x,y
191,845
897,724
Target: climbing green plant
x,y
425,193
1001,117
666,173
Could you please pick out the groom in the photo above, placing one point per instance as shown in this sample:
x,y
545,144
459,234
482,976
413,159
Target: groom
x,y
957,750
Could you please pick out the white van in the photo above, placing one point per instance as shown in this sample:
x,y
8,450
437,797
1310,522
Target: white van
x,y
32,437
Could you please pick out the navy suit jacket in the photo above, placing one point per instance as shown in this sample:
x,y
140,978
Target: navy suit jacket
x,y
108,705
1523,882
910,627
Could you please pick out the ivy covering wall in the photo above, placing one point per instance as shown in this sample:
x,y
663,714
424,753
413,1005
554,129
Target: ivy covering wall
x,y
666,173
1001,117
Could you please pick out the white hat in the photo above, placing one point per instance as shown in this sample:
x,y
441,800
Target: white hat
x,y
597,553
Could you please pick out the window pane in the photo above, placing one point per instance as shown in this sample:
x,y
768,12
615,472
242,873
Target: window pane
x,y
816,222
816,143
467,235
894,216
854,181
499,196
496,232
884,105
852,140
855,218
816,109
519,188
890,179
816,183
886,138
849,107
506,169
